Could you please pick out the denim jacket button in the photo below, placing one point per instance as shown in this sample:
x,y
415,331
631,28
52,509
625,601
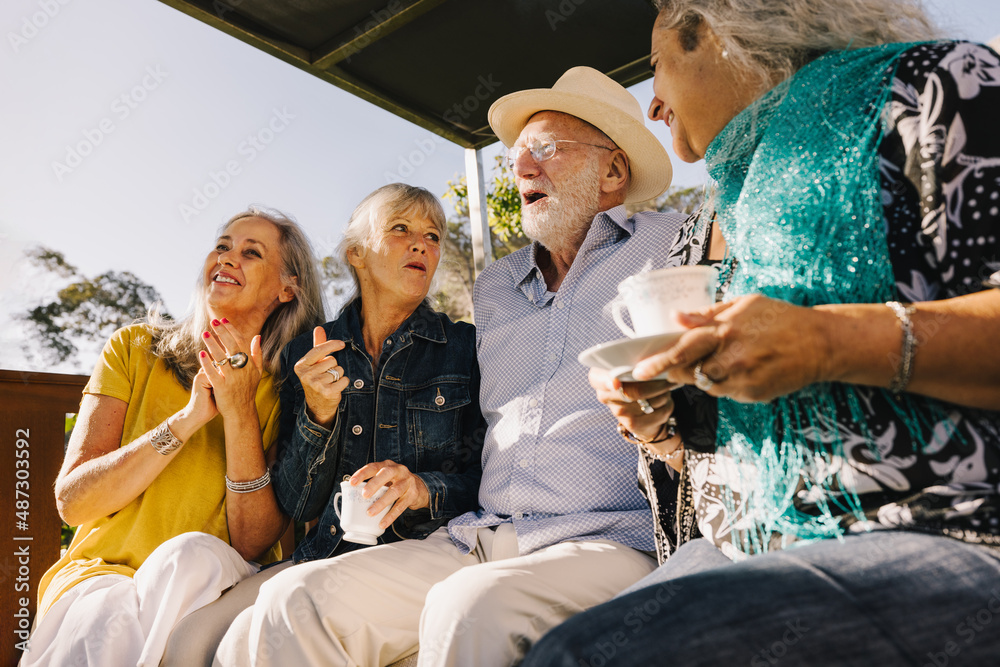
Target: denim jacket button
x,y
333,530
357,428
358,384
439,400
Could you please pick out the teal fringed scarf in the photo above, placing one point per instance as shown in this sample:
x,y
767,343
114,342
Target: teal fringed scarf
x,y
798,201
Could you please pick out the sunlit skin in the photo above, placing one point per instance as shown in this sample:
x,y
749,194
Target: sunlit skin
x,y
696,93
394,277
537,181
242,275
398,274
242,281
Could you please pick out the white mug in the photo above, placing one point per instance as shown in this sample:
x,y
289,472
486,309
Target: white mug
x,y
354,520
654,298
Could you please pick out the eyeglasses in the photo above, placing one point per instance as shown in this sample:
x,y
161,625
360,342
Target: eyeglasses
x,y
542,149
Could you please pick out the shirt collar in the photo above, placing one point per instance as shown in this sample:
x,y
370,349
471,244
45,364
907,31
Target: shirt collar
x,y
608,226
423,322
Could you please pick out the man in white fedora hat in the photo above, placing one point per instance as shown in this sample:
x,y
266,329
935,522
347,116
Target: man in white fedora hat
x,y
561,526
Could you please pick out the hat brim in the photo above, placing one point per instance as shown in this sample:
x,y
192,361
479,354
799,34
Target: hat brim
x,y
649,163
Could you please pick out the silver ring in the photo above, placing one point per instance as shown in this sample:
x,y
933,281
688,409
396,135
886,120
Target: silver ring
x,y
701,380
220,364
644,405
238,360
334,372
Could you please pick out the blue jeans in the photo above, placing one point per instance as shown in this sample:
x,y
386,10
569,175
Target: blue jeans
x,y
884,598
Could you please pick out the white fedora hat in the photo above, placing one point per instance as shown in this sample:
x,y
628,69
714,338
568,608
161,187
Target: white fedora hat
x,y
591,96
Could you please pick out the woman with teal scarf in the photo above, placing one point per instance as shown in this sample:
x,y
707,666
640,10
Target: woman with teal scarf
x,y
826,485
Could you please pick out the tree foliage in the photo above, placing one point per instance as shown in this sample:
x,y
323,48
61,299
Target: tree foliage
x,y
87,309
682,200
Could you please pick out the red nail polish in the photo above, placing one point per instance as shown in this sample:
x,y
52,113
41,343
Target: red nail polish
x,y
225,321
215,323
206,334
202,355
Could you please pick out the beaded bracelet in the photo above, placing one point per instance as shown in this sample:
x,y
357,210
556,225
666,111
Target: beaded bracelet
x,y
909,346
163,441
251,486
671,432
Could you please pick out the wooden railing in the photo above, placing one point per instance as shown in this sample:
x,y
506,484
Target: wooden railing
x,y
33,408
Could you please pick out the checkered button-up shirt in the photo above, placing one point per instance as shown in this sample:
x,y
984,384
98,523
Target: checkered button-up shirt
x,y
553,462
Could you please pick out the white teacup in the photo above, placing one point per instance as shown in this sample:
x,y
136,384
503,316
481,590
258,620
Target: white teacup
x,y
354,520
654,298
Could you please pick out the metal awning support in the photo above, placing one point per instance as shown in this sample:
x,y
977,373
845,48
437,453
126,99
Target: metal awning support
x,y
482,249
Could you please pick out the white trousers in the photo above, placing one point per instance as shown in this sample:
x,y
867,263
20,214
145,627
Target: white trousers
x,y
374,606
113,620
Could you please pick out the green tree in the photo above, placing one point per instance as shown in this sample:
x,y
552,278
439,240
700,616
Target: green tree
x,y
457,272
503,206
682,200
85,310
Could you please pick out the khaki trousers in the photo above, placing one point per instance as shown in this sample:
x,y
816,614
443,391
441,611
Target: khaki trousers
x,y
194,641
376,606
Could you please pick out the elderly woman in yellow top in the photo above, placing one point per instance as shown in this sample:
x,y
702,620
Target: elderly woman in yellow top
x,y
166,472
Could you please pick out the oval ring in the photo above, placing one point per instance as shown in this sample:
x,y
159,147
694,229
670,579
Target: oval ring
x,y
644,405
238,360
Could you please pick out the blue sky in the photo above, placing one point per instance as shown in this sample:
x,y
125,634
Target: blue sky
x,y
130,132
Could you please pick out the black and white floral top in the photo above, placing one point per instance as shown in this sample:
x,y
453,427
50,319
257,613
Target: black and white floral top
x,y
940,173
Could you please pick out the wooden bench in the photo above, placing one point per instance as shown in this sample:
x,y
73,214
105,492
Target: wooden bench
x,y
33,426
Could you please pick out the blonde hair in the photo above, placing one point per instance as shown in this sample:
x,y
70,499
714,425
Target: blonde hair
x,y
370,220
769,40
178,343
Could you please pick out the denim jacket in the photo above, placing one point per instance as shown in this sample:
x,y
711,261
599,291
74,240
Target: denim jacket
x,y
421,411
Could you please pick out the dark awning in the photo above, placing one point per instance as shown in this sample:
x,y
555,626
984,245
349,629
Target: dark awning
x,y
441,63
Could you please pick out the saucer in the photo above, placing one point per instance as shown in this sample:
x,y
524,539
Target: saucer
x,y
622,355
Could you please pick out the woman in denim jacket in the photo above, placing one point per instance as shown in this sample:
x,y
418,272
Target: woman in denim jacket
x,y
385,395
388,392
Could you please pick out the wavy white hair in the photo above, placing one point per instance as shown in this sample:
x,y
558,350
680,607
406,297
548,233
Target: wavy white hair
x,y
769,40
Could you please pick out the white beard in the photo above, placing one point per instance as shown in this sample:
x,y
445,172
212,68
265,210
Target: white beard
x,y
560,221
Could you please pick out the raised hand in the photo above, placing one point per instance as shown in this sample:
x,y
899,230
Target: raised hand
x,y
322,379
201,407
233,367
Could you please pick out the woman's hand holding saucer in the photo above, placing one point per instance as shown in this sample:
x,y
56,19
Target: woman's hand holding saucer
x,y
641,407
750,349
323,380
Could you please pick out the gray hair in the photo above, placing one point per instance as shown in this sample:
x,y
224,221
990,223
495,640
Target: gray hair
x,y
368,224
769,40
178,343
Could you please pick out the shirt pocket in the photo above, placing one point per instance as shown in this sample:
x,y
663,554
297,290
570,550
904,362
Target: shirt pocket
x,y
433,414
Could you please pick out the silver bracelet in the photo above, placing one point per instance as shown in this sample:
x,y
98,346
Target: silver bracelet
x,y
905,370
251,486
163,441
